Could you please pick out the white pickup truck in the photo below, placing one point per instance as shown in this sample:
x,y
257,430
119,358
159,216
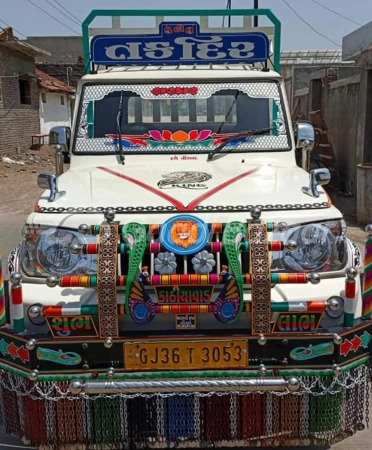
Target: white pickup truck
x,y
199,295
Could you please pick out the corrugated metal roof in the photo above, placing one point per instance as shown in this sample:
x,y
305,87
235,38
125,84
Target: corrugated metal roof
x,y
293,57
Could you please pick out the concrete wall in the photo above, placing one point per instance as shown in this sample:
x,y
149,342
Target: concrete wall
x,y
64,49
302,75
53,113
341,116
17,121
357,42
364,138
299,109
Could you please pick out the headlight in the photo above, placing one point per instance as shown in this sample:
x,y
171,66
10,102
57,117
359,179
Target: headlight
x,y
320,247
47,251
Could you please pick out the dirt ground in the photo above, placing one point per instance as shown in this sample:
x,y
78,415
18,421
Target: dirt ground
x,y
19,190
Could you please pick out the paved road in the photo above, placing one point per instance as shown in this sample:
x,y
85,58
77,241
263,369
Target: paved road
x,y
10,236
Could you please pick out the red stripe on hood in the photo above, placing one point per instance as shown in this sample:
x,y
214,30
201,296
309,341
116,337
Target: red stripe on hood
x,y
180,207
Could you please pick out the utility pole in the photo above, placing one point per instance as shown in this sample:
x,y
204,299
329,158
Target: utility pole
x,y
255,18
229,8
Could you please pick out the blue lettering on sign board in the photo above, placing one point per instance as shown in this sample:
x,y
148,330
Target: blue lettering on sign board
x,y
180,43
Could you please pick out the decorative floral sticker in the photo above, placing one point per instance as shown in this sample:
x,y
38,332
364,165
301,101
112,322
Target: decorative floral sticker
x,y
203,262
167,138
165,263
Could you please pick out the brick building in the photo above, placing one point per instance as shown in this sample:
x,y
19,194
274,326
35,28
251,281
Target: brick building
x,y
19,93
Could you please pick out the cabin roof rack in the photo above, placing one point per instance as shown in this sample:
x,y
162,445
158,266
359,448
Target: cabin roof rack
x,y
181,37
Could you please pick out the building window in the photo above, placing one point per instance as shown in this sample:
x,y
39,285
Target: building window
x,y
25,92
43,97
62,99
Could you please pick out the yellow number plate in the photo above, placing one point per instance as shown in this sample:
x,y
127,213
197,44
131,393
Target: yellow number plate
x,y
219,354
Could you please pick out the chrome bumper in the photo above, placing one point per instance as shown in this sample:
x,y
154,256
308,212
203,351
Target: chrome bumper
x,y
291,384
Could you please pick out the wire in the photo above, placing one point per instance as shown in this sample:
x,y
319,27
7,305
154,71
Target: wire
x,y
335,12
7,25
55,1
14,76
228,6
63,13
309,25
50,15
2,117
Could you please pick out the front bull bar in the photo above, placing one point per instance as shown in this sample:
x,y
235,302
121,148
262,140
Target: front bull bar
x,y
291,384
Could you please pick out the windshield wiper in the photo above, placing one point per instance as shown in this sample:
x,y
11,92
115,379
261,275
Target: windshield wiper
x,y
119,118
242,134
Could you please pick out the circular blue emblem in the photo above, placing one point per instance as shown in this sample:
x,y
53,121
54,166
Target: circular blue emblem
x,y
141,311
184,234
227,310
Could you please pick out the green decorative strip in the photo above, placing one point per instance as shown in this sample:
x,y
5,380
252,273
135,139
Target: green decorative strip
x,y
306,373
19,325
91,310
13,370
181,375
348,319
138,233
280,307
233,233
355,364
275,278
325,372
138,376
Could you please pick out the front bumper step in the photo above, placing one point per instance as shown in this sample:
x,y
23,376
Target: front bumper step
x,y
291,384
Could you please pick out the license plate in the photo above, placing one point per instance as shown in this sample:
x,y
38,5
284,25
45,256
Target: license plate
x,y
218,354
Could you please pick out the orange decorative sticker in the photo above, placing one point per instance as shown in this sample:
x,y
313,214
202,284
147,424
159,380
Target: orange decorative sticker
x,y
177,90
184,234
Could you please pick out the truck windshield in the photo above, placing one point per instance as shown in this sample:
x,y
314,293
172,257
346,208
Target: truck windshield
x,y
180,118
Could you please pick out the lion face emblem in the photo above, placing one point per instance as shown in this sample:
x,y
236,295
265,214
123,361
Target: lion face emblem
x,y
184,233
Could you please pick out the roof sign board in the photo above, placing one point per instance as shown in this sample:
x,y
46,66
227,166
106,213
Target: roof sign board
x,y
180,43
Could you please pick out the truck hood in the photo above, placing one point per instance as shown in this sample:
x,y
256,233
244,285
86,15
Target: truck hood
x,y
202,187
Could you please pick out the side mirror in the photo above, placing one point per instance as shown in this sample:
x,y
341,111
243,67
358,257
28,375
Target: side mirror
x,y
318,177
59,141
304,134
305,140
48,180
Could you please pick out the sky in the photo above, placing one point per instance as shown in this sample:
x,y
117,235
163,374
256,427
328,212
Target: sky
x,y
27,19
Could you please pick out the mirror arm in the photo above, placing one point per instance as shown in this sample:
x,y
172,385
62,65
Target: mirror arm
x,y
306,151
59,141
48,180
317,177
